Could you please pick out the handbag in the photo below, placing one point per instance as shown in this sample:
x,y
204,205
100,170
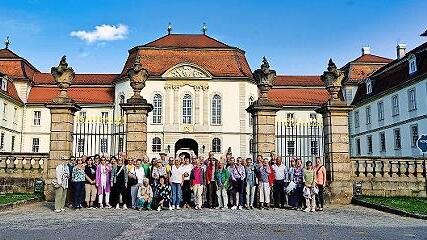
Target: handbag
x,y
306,192
291,186
133,181
315,189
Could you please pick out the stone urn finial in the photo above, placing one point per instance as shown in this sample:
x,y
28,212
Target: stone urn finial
x,y
332,80
137,75
264,78
63,76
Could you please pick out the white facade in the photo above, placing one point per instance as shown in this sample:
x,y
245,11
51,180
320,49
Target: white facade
x,y
410,121
10,127
231,126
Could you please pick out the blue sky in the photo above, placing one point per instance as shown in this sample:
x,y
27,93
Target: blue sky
x,y
298,37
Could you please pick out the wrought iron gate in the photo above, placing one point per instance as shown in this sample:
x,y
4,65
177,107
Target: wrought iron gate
x,y
302,140
99,136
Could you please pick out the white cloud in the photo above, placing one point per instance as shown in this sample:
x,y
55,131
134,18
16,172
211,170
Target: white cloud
x,y
103,32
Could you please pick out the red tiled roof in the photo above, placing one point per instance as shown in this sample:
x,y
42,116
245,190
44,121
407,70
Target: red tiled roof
x,y
298,96
393,75
11,91
15,66
80,79
358,73
220,63
370,58
7,54
187,41
282,80
83,95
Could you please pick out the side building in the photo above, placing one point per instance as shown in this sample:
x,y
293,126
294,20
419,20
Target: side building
x,y
390,108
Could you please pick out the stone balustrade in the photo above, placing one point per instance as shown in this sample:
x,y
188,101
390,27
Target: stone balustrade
x,y
390,176
18,171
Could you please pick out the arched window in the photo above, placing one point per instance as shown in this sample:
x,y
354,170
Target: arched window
x,y
216,145
157,144
251,100
186,109
216,110
157,109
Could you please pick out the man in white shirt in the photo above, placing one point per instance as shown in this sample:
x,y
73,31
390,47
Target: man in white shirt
x,y
280,172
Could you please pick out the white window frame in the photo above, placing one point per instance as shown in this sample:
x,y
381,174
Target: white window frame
x,y
37,116
103,145
380,106
251,101
216,145
412,99
104,117
4,111
412,64
397,139
368,115
358,147
12,143
157,109
356,119
369,144
2,139
395,105
216,110
187,109
290,148
156,145
368,86
414,135
383,143
35,147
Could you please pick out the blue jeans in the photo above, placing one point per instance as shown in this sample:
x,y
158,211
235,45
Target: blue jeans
x,y
77,193
176,194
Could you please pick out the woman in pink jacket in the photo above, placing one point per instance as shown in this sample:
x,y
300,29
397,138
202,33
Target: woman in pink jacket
x,y
103,182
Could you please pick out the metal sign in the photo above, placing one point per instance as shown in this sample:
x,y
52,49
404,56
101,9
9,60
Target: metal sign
x,y
422,143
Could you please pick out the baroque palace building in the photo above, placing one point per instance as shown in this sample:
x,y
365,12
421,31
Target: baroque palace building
x,y
199,87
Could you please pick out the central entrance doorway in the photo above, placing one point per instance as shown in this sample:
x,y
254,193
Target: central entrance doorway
x,y
187,147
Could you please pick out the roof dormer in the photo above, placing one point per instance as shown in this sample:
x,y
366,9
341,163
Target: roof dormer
x,y
412,63
369,85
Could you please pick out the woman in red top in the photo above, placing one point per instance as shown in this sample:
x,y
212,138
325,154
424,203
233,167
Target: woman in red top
x,y
197,179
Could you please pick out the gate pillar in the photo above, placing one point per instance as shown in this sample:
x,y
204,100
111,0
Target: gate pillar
x,y
336,139
62,110
263,112
136,109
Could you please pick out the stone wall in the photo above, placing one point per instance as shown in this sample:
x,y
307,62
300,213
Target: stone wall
x,y
18,171
390,176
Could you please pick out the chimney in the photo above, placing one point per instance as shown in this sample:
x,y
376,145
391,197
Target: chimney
x,y
400,50
366,50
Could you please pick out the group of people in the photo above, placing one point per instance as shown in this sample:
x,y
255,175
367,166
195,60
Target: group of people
x,y
175,183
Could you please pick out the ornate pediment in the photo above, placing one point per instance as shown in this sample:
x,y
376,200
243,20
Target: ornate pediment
x,y
186,71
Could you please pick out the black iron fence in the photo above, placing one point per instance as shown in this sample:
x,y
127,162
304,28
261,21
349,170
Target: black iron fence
x,y
104,136
303,140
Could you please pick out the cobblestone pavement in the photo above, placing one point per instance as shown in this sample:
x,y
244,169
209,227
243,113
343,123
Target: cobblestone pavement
x,y
38,221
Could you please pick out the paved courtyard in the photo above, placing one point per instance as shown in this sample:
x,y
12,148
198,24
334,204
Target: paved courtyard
x,y
37,221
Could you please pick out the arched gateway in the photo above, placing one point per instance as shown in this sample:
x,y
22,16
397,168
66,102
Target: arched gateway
x,y
186,146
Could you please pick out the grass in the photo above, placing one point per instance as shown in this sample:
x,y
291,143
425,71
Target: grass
x,y
14,197
409,204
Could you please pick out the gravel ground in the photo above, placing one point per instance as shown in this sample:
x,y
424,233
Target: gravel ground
x,y
38,221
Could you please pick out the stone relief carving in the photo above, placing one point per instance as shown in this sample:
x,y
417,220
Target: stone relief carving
x,y
186,71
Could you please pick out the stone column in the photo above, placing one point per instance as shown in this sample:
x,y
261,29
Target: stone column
x,y
61,140
337,158
336,139
264,128
136,109
263,112
62,110
176,105
197,104
136,128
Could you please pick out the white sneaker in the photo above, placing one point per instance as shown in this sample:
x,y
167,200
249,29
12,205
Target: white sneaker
x,y
313,210
159,209
117,206
240,208
178,207
170,208
62,209
108,206
307,210
124,206
101,206
58,210
233,208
